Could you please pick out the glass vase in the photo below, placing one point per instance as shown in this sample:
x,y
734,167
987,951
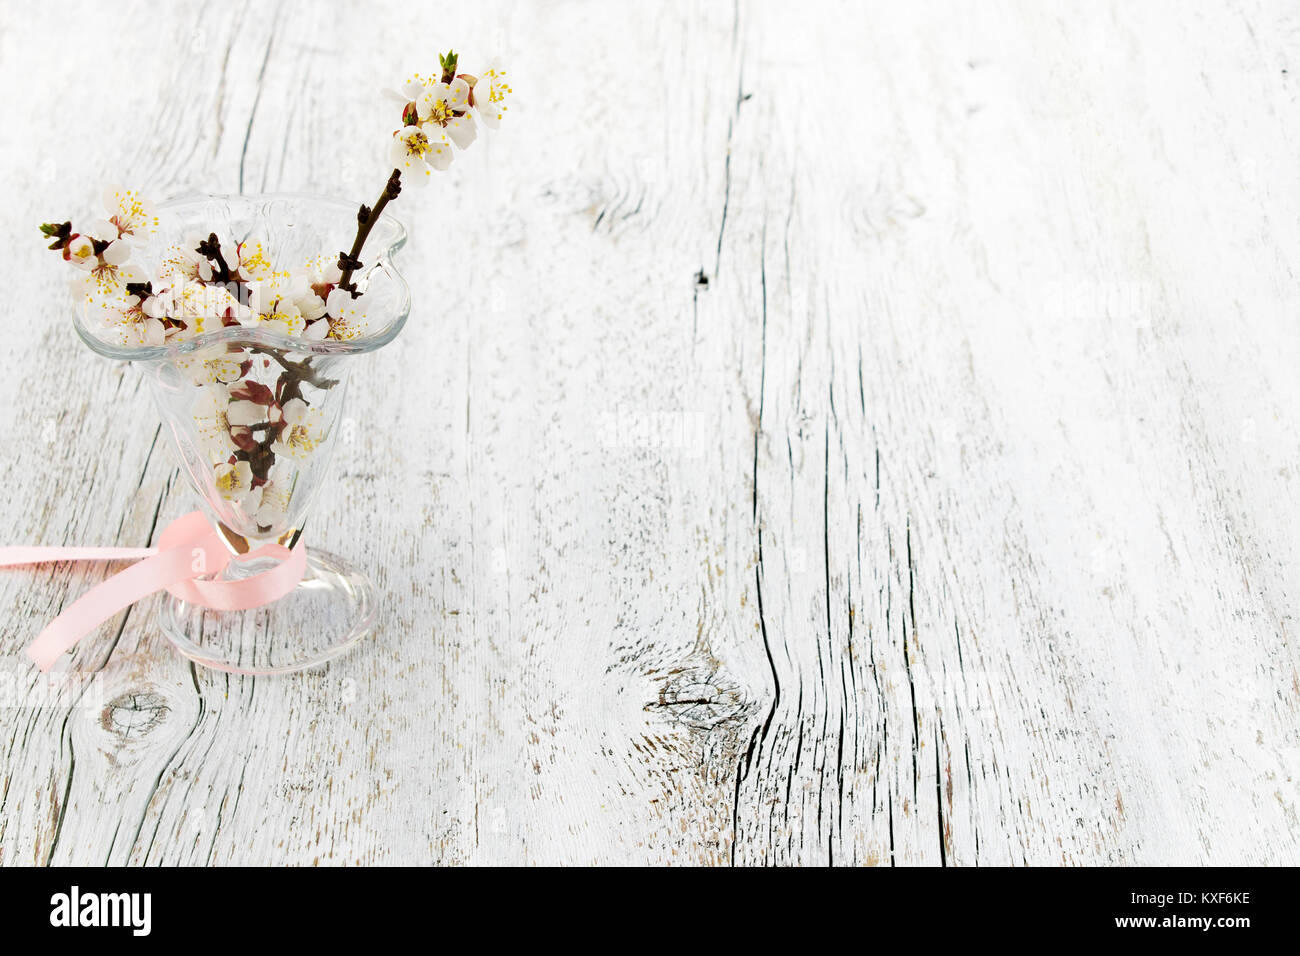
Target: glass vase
x,y
253,412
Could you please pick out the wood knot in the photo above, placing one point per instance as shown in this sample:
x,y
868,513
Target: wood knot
x,y
701,698
134,714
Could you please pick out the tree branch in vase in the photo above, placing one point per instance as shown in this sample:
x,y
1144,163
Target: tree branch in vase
x,y
253,404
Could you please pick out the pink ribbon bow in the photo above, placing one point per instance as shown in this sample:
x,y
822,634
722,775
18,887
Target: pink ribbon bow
x,y
188,551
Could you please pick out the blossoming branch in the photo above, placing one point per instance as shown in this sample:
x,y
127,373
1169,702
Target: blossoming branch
x,y
254,410
210,282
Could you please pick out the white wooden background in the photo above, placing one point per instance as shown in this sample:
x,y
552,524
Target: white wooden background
x,y
953,520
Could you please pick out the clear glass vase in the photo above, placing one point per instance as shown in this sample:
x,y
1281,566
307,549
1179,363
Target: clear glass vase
x,y
253,413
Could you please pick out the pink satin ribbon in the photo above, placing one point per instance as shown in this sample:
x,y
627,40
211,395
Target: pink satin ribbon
x,y
188,551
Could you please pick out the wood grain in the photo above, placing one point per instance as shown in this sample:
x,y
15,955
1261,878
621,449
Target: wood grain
x,y
859,437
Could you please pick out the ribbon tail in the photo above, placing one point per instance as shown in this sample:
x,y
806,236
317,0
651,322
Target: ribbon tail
x,y
108,598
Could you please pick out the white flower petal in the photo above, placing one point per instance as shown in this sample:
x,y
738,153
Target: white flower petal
x,y
112,198
461,130
295,410
310,306
245,413
117,253
102,229
458,94
338,301
439,156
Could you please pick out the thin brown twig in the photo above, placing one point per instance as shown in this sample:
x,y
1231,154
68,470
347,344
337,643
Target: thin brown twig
x,y
366,219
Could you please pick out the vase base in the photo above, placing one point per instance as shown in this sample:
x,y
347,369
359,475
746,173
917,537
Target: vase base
x,y
330,611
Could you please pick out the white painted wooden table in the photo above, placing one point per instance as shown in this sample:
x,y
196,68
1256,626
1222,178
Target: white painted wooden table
x,y
858,435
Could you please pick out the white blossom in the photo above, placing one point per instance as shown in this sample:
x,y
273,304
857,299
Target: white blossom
x,y
302,430
323,271
276,303
248,261
81,253
130,217
245,412
446,105
347,316
108,275
184,261
235,484
409,93
276,493
420,150
211,423
129,316
490,94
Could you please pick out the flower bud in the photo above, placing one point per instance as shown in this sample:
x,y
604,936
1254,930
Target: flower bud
x,y
448,64
60,232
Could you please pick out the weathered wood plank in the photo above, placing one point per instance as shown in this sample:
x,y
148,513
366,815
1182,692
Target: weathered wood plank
x,y
862,437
